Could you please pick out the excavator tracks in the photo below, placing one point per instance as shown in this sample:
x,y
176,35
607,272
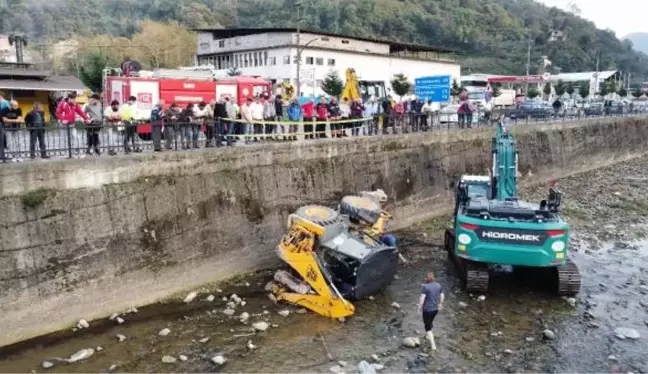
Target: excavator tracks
x,y
474,275
569,279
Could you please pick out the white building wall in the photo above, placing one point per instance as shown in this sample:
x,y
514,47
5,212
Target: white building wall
x,y
342,44
367,67
207,44
378,66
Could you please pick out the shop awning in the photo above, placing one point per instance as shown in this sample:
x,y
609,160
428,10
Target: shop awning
x,y
53,83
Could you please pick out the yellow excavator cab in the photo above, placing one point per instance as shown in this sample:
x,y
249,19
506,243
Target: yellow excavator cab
x,y
331,265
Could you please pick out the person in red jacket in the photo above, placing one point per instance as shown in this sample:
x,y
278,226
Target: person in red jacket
x,y
322,116
308,109
66,113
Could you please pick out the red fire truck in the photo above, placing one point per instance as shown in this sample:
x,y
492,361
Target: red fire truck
x,y
180,86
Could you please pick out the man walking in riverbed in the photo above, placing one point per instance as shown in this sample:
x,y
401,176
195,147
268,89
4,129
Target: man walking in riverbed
x,y
430,303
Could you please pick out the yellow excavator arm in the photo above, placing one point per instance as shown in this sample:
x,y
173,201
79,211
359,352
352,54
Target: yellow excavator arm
x,y
319,295
351,90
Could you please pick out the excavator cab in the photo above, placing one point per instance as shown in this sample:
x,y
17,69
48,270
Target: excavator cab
x,y
331,264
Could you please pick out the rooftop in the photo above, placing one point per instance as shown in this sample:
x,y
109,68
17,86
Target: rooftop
x,y
583,76
22,76
53,83
394,47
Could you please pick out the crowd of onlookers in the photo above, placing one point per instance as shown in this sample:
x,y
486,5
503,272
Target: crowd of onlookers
x,y
221,122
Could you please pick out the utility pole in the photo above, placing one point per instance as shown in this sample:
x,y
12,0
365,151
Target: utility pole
x,y
528,65
298,91
596,75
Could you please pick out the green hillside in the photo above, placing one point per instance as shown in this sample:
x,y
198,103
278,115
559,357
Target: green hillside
x,y
639,41
492,34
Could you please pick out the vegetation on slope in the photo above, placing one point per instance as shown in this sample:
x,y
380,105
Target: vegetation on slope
x,y
493,35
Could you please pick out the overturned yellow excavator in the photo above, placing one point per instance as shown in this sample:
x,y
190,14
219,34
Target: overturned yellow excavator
x,y
335,256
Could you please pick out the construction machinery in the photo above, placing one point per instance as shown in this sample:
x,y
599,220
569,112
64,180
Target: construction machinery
x,y
494,231
355,89
330,263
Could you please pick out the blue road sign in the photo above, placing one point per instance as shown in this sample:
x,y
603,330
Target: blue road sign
x,y
434,88
437,80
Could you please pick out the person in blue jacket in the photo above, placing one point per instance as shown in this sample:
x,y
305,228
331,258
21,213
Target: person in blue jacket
x,y
294,115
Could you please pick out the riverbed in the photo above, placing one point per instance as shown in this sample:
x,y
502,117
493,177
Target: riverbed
x,y
503,332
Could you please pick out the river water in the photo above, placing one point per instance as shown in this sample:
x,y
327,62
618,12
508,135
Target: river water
x,y
502,333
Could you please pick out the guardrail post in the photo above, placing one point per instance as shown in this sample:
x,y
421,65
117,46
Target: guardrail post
x,y
2,144
69,139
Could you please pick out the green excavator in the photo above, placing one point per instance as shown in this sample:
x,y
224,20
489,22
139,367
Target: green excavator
x,y
494,231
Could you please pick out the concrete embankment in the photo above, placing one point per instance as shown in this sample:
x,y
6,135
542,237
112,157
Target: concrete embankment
x,y
85,238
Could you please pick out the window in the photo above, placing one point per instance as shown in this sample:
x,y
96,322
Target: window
x,y
272,61
331,62
309,61
286,60
345,42
221,44
245,62
265,57
319,61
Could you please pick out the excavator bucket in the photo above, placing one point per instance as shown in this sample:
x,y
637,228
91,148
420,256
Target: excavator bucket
x,y
329,265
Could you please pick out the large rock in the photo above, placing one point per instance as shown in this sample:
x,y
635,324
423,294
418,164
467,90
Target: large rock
x,y
190,297
548,334
164,332
411,342
260,326
626,333
219,360
81,355
366,368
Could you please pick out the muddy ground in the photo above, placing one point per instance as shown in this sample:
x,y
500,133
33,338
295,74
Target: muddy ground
x,y
608,213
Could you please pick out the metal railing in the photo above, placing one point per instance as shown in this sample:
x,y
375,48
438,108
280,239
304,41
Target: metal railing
x,y
60,141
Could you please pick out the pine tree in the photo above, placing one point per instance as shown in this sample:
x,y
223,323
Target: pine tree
x,y
400,84
533,93
584,89
332,84
547,89
560,88
623,92
455,89
570,89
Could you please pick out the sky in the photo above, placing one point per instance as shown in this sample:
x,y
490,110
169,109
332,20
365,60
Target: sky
x,y
621,16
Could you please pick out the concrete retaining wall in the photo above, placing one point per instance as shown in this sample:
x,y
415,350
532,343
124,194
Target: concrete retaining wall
x,y
85,238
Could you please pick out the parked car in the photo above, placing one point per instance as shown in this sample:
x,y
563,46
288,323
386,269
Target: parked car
x,y
617,109
531,109
594,109
570,111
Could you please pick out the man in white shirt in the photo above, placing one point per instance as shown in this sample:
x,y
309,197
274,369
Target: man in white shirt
x,y
256,109
201,114
246,116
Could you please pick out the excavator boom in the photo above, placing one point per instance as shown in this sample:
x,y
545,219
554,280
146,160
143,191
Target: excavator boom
x,y
505,165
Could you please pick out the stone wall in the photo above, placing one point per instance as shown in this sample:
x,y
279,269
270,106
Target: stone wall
x,y
85,238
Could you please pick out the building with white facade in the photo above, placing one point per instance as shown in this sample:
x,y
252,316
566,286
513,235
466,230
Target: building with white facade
x,y
272,53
